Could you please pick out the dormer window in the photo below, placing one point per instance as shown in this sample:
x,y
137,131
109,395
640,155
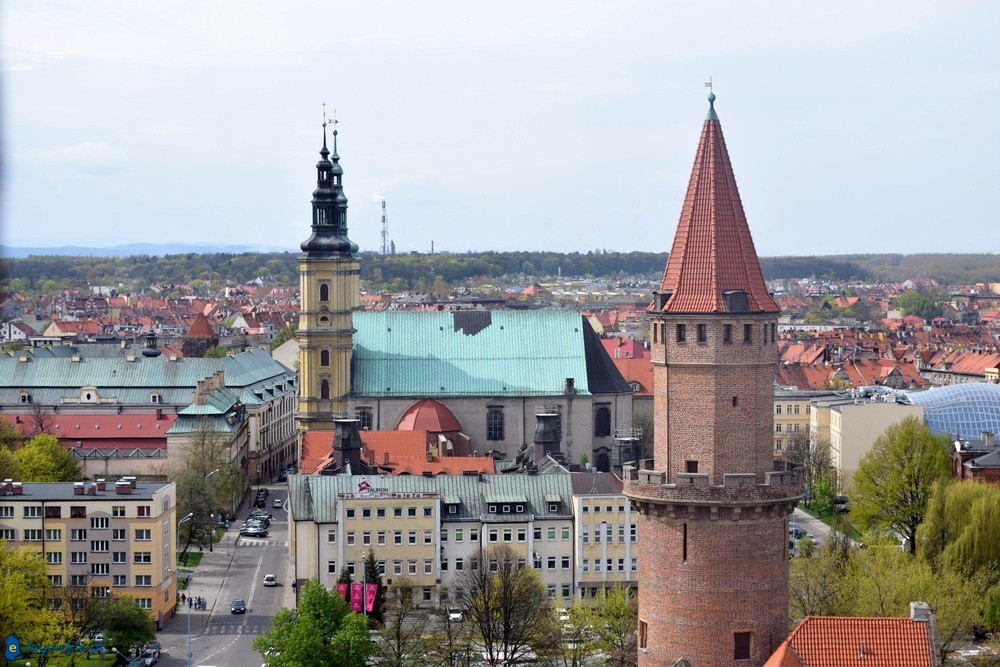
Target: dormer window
x,y
493,509
506,509
519,509
154,397
25,397
553,507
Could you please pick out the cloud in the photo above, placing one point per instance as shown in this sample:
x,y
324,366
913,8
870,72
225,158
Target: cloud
x,y
89,157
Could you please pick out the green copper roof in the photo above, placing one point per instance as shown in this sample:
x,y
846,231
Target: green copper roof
x,y
468,353
314,497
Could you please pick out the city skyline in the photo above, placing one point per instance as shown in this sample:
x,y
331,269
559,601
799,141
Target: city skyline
x,y
556,127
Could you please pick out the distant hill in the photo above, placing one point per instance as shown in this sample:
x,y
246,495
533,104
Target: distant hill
x,y
133,249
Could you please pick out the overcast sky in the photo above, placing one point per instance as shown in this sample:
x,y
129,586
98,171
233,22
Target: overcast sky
x,y
853,127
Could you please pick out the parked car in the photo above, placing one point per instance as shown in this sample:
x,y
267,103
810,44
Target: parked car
x,y
149,658
253,532
270,580
277,503
840,500
797,533
261,513
282,477
238,606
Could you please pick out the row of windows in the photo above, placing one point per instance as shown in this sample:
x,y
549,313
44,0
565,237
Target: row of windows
x,y
508,534
102,570
793,428
397,512
681,333
608,534
75,512
790,409
76,535
97,592
494,416
608,564
117,557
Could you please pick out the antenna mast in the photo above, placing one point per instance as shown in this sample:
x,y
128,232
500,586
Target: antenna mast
x,y
385,231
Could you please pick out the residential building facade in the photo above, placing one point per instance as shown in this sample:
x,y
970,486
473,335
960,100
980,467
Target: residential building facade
x,y
116,537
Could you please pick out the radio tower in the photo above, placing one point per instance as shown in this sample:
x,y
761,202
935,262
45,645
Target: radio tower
x,y
385,231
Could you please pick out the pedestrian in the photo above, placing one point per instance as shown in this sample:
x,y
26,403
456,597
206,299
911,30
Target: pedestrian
x,y
190,602
183,598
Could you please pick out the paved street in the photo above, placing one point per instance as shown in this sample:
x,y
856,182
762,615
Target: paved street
x,y
218,637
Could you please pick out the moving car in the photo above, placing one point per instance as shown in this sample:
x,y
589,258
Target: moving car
x,y
153,647
277,502
253,532
238,606
270,580
149,658
455,614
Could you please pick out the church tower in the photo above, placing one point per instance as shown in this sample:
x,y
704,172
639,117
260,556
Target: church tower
x,y
713,512
328,293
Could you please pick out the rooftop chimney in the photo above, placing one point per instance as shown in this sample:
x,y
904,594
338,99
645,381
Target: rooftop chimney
x,y
988,438
920,612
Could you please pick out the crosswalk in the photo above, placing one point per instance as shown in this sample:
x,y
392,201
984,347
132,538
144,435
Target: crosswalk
x,y
236,629
251,542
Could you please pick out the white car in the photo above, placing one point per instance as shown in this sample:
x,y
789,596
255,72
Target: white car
x,y
455,614
270,580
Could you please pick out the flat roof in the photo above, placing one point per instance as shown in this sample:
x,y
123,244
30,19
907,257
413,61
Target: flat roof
x,y
39,491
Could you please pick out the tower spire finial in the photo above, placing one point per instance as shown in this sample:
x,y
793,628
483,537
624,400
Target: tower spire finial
x,y
711,101
335,121
324,125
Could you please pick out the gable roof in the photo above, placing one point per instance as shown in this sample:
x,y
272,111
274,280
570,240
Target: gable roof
x,y
713,251
829,641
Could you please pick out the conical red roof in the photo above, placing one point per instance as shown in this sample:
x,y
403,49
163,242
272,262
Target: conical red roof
x,y
200,328
713,252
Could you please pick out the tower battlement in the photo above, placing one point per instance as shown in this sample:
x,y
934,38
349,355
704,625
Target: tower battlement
x,y
645,483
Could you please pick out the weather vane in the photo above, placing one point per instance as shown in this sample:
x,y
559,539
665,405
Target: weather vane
x,y
708,85
324,114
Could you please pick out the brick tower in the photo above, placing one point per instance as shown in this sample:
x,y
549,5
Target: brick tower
x,y
713,525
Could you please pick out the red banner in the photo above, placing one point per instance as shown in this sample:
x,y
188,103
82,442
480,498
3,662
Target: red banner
x,y
371,592
356,594
342,589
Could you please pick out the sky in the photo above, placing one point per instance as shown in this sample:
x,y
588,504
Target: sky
x,y
562,125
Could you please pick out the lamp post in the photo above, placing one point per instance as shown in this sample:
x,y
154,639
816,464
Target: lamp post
x,y
187,518
189,575
211,537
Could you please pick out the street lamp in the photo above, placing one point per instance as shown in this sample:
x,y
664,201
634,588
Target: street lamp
x,y
211,537
189,575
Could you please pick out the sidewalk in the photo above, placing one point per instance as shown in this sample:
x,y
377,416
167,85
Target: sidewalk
x,y
213,570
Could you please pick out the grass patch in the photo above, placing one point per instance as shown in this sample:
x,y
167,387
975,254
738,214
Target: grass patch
x,y
190,559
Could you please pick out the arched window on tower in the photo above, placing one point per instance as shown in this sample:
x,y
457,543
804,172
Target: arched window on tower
x,y
602,422
324,389
494,424
324,292
324,358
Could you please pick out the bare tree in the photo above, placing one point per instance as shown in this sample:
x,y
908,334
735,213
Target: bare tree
x,y
451,642
402,643
508,608
40,419
813,455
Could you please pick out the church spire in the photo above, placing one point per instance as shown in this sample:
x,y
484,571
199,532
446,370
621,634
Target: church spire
x,y
329,204
713,266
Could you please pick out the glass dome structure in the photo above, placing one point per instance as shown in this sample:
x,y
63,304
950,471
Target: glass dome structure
x,y
961,410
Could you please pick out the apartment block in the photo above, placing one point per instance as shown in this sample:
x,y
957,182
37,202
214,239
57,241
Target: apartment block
x,y
604,524
113,537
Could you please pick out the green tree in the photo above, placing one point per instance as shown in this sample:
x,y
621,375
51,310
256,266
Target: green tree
x,y
125,625
322,632
894,480
816,585
507,606
617,613
43,459
913,302
823,492
23,588
216,352
283,336
8,464
10,437
962,527
373,576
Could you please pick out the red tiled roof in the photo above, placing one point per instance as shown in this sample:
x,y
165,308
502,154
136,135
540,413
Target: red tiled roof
x,y
713,250
200,328
428,415
316,446
827,641
143,431
637,370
